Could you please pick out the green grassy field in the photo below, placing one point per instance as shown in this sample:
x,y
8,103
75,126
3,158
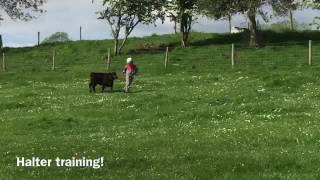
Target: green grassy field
x,y
200,119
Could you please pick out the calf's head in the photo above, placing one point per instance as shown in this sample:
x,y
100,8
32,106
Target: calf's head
x,y
114,75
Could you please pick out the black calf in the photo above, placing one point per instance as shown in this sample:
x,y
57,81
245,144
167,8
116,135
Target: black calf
x,y
103,79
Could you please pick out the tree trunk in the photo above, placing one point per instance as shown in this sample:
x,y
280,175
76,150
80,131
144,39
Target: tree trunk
x,y
230,23
1,42
253,28
185,39
116,46
175,26
123,43
185,28
291,20
128,31
182,22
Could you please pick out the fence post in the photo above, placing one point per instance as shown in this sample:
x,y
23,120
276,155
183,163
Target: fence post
x,y
109,59
310,52
3,62
38,38
53,60
166,60
80,33
232,55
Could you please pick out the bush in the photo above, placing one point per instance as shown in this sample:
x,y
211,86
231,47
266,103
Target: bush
x,y
284,26
57,37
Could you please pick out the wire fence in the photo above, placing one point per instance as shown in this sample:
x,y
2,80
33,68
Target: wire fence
x,y
280,54
54,59
233,55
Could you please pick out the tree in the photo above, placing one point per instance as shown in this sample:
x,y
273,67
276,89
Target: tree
x,y
21,9
286,8
57,37
314,4
252,8
175,19
125,15
185,11
316,23
225,8
218,9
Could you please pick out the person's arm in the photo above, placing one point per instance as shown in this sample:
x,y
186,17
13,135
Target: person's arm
x,y
137,70
125,69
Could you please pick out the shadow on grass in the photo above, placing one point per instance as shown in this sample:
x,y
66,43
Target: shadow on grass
x,y
222,39
150,48
264,38
140,91
122,91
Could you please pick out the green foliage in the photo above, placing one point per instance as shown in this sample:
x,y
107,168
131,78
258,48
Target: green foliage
x,y
284,7
217,9
316,23
315,4
57,37
20,9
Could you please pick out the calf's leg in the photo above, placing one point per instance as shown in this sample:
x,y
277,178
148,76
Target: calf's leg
x,y
90,87
111,87
94,87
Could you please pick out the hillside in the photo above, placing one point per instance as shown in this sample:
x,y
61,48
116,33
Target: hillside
x,y
199,119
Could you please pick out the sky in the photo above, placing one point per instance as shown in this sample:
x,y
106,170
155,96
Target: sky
x,y
68,15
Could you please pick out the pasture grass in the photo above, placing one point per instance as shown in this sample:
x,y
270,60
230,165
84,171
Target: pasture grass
x,y
200,119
